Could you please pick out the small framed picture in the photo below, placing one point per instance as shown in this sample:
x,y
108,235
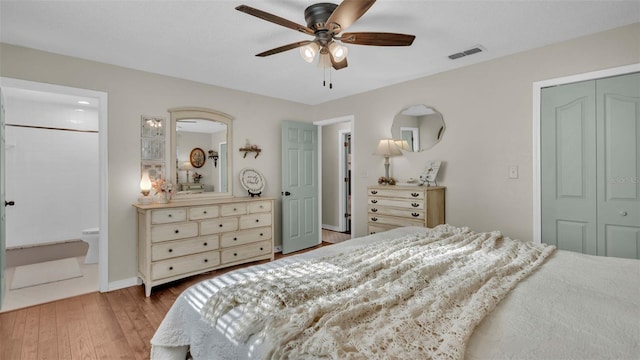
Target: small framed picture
x,y
152,126
430,173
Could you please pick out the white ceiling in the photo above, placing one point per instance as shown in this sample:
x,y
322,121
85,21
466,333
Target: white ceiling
x,y
211,42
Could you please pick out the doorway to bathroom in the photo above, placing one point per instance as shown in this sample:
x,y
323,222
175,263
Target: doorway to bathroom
x,y
55,177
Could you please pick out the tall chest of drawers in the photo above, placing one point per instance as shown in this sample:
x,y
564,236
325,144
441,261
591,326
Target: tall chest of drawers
x,y
392,206
182,239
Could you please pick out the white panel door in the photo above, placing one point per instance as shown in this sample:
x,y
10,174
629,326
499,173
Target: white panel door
x,y
618,142
568,167
300,225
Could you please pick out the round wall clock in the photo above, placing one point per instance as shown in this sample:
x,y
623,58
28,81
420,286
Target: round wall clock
x,y
197,157
252,180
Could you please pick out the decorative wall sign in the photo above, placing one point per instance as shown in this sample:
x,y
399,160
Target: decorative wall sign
x,y
197,157
430,173
152,149
253,181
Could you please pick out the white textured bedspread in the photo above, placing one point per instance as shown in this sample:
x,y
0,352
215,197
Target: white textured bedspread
x,y
573,307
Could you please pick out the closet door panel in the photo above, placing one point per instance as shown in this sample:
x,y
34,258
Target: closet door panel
x,y
618,141
568,167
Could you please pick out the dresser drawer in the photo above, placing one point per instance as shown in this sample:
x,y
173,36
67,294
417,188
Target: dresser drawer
x,y
246,251
245,237
173,231
396,221
255,220
378,228
172,249
405,213
259,206
166,216
401,203
396,193
184,264
219,225
233,209
204,212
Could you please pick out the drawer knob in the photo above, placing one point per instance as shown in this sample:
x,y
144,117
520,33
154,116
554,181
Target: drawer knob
x,y
235,238
234,209
261,234
374,219
415,214
261,249
374,201
177,231
415,204
373,192
235,254
170,215
374,210
257,220
414,194
170,250
170,267
220,225
205,212
261,207
206,260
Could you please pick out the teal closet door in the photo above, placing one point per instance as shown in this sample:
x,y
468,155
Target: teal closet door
x,y
568,167
618,143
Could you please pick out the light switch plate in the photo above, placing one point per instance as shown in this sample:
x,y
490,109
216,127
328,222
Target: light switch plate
x,y
513,172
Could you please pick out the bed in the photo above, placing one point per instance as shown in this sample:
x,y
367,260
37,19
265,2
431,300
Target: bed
x,y
528,302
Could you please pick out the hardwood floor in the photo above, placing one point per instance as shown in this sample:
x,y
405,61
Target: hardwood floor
x,y
113,325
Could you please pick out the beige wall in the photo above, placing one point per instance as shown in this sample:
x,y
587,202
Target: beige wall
x,y
331,174
487,109
132,93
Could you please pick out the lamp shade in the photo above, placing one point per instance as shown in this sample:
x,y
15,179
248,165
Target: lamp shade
x,y
145,183
186,166
309,51
387,147
338,51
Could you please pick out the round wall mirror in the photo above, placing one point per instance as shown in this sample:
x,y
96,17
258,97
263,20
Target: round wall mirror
x,y
417,128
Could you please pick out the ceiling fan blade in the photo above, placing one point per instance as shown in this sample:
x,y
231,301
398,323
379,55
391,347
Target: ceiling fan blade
x,y
284,48
274,19
347,13
377,39
338,64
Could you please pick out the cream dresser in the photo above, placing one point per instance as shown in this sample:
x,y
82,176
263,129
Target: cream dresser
x,y
185,238
395,206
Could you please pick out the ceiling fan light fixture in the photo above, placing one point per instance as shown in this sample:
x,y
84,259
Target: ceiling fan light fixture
x,y
338,52
309,51
324,61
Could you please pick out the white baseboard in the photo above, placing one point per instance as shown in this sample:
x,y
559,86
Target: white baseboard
x,y
124,283
331,227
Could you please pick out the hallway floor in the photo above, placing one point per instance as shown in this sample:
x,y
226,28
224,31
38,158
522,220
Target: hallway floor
x,y
40,294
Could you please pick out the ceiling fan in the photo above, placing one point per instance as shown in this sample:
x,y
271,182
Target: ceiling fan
x,y
325,22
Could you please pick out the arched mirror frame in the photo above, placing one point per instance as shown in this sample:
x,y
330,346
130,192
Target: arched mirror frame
x,y
397,129
184,113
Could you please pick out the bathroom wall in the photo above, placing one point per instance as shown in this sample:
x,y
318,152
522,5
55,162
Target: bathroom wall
x,y
52,175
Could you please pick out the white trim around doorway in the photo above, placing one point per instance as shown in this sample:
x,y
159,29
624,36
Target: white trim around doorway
x,y
103,245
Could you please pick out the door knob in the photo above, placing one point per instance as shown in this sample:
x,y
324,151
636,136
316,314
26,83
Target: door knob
x,y
9,203
286,193
623,213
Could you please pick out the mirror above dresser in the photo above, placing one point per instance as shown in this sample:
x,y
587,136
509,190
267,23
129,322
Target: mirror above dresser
x,y
200,163
417,128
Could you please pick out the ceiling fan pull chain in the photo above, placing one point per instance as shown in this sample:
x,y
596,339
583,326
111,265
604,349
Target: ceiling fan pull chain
x,y
330,80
